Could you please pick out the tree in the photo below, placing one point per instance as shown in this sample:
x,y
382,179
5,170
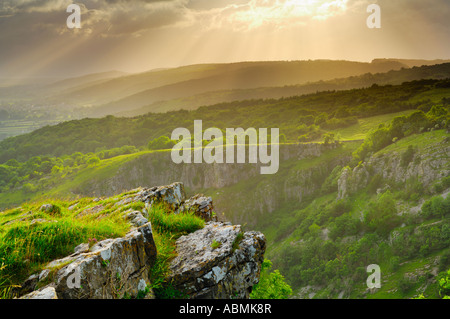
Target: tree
x,y
381,215
271,285
160,143
444,285
94,160
329,138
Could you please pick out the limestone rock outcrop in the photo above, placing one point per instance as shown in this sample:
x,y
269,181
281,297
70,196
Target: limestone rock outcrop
x,y
428,164
219,261
112,268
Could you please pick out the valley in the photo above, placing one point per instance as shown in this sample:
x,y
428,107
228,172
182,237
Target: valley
x,y
363,174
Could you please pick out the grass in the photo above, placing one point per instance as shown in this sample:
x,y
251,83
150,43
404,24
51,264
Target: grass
x,y
396,285
27,247
365,125
166,229
418,141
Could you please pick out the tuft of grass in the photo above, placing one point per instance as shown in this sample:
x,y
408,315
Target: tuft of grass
x,y
167,227
174,224
215,244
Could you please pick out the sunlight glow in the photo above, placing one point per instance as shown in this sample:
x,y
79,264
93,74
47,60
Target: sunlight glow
x,y
286,13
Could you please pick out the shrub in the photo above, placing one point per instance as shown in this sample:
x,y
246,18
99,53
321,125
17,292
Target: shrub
x,y
271,285
160,143
437,206
394,263
381,215
405,284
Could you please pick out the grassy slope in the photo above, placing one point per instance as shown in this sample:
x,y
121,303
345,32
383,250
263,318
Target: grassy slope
x,y
26,247
65,187
365,125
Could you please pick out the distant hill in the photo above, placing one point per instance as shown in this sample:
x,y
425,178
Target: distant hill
x,y
394,77
191,86
412,62
128,93
85,80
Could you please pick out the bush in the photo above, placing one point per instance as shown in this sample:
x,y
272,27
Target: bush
x,y
375,182
331,183
381,215
444,285
161,143
437,206
271,285
444,261
405,284
394,263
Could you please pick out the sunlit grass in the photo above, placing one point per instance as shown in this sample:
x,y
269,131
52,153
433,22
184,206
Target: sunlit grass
x,y
166,229
365,125
26,247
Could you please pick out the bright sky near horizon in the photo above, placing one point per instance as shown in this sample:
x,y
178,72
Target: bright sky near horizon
x,y
139,35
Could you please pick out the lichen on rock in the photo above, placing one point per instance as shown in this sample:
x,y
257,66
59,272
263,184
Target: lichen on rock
x,y
227,271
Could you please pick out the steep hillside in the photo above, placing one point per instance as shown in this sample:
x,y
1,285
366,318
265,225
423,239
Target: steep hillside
x,y
395,214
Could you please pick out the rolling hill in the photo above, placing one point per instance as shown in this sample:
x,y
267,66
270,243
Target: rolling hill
x,y
394,77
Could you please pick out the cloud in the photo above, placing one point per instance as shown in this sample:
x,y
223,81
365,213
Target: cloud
x,y
105,17
269,14
151,33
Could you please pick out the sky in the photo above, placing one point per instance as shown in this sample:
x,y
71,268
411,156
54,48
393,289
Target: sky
x,y
140,35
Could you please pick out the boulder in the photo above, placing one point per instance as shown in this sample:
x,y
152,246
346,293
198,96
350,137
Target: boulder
x,y
44,293
201,205
172,195
113,268
219,261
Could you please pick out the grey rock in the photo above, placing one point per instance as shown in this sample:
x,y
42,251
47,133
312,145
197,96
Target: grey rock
x,y
81,248
172,195
44,293
226,269
112,268
136,218
201,205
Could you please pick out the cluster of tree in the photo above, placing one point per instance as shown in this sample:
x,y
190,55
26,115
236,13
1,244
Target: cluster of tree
x,y
438,117
352,241
26,175
307,116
